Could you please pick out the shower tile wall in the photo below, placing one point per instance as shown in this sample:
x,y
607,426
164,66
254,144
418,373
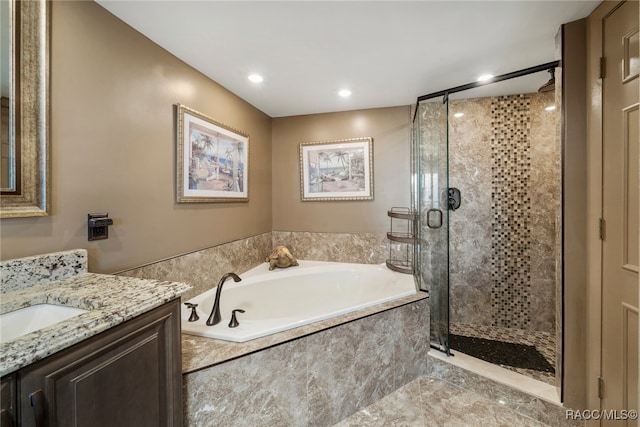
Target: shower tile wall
x,y
545,191
559,252
470,226
504,157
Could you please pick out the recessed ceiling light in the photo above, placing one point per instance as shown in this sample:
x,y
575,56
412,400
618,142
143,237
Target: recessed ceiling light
x,y
256,78
344,93
485,77
458,115
550,108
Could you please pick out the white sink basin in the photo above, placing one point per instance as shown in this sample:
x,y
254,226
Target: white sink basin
x,y
30,319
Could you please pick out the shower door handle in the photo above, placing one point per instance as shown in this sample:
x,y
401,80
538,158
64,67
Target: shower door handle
x,y
434,222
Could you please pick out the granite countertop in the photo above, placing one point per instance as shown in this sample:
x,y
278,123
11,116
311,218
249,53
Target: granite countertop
x,y
110,300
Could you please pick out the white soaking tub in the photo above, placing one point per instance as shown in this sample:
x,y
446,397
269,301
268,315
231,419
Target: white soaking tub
x,y
282,299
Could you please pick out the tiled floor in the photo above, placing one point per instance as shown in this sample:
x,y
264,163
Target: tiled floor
x,y
427,402
544,342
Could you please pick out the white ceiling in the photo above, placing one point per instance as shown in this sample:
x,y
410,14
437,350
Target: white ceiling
x,y
386,52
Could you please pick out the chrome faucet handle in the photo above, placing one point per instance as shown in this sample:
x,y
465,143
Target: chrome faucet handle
x,y
234,320
194,316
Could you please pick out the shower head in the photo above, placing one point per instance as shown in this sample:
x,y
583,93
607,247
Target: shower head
x,y
549,86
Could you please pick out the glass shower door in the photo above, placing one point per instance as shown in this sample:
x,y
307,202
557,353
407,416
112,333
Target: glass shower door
x,y
431,201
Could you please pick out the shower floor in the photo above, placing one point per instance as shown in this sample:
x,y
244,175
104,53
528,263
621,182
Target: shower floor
x,y
544,343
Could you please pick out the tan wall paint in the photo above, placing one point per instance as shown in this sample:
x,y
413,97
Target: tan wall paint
x,y
575,212
112,149
390,130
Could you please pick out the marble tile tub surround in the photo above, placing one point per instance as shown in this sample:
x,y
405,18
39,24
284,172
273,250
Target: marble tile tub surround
x,y
202,269
361,248
200,352
316,380
24,272
110,300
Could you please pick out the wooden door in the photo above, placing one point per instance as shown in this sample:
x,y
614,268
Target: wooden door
x,y
620,211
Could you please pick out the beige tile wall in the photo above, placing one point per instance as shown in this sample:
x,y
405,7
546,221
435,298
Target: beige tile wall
x,y
202,269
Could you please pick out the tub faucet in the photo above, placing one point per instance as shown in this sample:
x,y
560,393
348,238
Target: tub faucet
x,y
214,317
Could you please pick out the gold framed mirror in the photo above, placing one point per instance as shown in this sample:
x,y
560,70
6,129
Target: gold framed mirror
x,y
25,172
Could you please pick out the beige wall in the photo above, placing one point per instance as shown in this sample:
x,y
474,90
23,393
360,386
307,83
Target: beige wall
x,y
390,130
575,264
113,149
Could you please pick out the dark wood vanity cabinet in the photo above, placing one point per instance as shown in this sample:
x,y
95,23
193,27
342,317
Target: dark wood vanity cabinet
x,y
8,401
129,375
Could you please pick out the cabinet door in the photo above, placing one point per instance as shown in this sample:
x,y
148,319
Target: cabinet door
x,y
127,376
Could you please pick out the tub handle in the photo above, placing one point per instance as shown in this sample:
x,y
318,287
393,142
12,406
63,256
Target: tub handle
x,y
234,321
194,316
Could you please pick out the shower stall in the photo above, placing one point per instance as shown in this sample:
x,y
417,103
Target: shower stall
x,y
487,190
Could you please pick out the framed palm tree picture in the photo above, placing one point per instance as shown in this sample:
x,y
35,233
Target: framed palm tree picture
x,y
212,160
337,170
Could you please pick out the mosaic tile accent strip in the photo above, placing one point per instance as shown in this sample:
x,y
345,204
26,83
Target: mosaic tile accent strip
x,y
511,208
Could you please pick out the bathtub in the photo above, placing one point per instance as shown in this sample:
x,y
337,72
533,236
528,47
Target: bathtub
x,y
283,299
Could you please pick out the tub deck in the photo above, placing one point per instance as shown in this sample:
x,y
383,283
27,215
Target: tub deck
x,y
199,353
282,299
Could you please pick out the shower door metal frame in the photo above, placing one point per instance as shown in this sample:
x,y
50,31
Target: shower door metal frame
x,y
444,346
431,183
512,75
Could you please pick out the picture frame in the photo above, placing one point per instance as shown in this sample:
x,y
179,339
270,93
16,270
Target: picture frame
x,y
212,160
337,170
